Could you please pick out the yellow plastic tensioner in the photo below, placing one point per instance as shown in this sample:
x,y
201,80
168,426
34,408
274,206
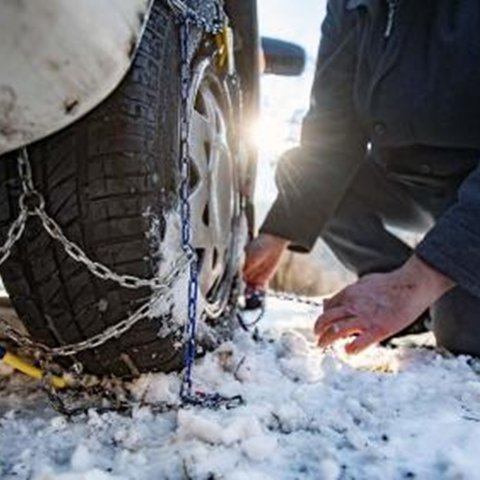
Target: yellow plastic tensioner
x,y
224,41
22,366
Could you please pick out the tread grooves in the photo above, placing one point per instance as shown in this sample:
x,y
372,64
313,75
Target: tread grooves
x,y
96,176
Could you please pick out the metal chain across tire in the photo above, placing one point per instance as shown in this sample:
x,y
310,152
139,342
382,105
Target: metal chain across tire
x,y
31,203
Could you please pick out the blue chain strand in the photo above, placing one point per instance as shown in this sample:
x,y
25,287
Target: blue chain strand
x,y
187,395
190,327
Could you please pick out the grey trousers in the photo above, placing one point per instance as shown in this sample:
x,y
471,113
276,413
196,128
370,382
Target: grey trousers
x,y
361,235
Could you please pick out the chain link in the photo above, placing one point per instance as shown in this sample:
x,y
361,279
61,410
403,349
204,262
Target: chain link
x,y
14,233
32,203
187,394
255,300
185,13
291,297
114,331
162,283
191,325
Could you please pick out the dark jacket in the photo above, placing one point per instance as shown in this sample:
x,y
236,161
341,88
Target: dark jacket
x,y
401,80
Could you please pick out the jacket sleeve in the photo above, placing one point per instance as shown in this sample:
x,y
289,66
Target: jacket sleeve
x,y
313,178
453,245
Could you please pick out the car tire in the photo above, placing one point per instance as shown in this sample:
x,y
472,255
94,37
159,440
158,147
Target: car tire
x,y
111,182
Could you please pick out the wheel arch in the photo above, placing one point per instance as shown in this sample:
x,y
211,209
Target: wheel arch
x,y
53,72
244,18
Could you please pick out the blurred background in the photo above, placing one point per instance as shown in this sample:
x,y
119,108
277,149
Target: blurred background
x,y
284,103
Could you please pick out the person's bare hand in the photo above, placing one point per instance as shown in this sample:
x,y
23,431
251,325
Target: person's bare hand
x,y
262,259
380,305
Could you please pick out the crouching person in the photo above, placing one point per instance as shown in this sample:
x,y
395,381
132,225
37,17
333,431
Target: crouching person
x,y
392,139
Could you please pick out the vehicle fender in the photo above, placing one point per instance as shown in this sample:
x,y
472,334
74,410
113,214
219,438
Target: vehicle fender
x,y
244,17
61,58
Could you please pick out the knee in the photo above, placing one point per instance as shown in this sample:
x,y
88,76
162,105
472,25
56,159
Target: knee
x,y
456,322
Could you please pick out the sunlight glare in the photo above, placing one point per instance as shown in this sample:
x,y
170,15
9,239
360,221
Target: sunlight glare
x,y
270,135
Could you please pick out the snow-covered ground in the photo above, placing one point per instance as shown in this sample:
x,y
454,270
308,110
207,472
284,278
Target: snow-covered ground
x,y
389,414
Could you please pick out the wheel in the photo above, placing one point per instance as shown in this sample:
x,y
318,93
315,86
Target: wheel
x,y
215,189
111,181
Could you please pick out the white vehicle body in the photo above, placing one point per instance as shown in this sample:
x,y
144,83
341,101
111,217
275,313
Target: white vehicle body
x,y
59,59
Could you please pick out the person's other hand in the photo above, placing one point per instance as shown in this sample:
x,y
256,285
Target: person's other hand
x,y
262,259
380,305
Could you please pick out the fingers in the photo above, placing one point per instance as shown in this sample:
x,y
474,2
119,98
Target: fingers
x,y
254,270
362,342
253,261
341,329
262,259
257,275
329,317
250,267
339,321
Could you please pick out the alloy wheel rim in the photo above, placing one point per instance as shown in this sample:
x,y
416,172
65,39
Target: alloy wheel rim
x,y
214,197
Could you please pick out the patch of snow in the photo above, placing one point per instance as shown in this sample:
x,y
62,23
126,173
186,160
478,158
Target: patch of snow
x,y
396,413
172,307
87,475
170,249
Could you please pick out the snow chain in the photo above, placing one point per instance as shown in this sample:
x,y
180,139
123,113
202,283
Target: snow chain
x,y
255,301
32,203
